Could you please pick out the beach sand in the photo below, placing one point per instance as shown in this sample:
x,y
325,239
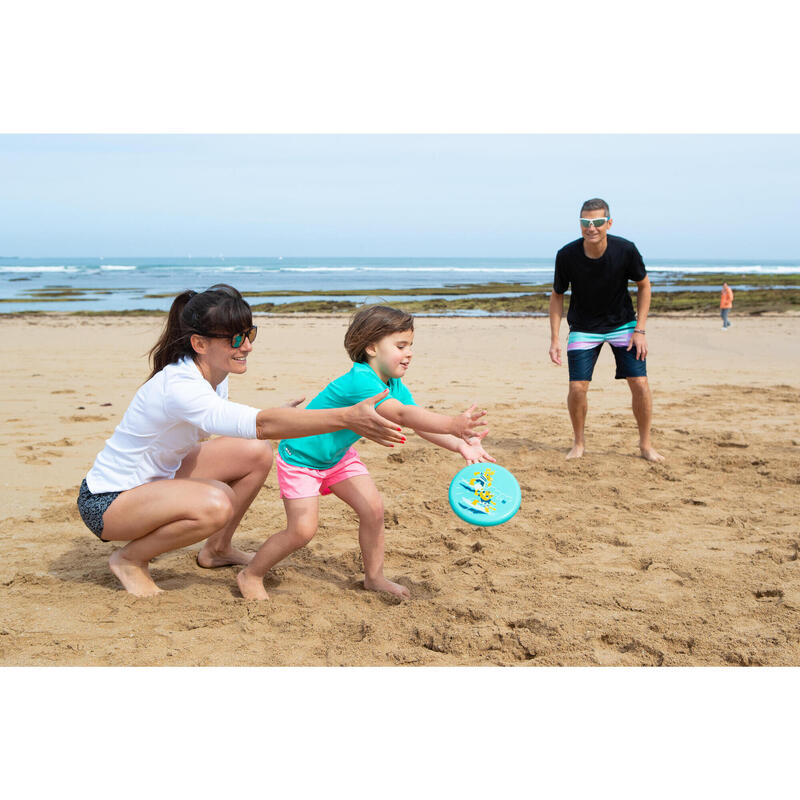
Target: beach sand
x,y
610,561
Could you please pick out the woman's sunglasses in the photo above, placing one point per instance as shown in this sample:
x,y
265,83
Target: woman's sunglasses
x,y
237,339
598,223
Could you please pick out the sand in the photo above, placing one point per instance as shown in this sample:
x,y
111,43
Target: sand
x,y
610,561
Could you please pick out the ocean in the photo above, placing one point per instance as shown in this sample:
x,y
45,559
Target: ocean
x,y
124,284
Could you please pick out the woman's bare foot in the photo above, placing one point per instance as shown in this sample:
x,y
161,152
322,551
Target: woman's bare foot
x,y
381,584
133,575
576,452
251,586
208,558
649,454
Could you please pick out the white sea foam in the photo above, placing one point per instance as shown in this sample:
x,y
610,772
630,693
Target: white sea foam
x,y
328,269
39,269
118,267
482,270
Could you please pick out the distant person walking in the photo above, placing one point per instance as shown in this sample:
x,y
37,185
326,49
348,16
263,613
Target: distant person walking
x,y
598,266
725,305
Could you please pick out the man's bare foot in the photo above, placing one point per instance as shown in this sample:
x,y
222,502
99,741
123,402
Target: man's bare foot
x,y
208,558
382,584
649,454
133,575
576,452
251,586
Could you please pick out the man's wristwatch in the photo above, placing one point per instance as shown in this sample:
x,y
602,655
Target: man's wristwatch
x,y
638,330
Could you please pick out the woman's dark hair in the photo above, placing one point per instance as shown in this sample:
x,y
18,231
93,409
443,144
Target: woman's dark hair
x,y
369,325
220,309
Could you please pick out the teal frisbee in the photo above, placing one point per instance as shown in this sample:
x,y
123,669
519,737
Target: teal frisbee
x,y
485,494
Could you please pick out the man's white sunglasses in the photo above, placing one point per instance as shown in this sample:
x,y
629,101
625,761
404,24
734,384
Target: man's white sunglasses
x,y
598,223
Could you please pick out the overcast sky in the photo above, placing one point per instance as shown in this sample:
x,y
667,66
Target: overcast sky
x,y
676,196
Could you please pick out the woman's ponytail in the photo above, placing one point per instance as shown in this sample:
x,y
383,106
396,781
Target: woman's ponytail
x,y
174,342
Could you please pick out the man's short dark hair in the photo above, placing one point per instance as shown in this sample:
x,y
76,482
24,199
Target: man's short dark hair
x,y
596,204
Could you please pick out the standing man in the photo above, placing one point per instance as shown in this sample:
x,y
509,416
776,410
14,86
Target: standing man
x,y
725,305
598,267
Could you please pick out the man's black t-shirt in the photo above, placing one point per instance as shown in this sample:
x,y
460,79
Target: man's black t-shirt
x,y
600,301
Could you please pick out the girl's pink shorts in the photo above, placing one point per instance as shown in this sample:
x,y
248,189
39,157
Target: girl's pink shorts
x,y
296,482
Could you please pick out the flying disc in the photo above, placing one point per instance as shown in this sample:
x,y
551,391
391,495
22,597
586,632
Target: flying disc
x,y
485,494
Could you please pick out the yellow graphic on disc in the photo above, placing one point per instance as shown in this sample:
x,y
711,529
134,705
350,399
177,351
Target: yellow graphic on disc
x,y
483,500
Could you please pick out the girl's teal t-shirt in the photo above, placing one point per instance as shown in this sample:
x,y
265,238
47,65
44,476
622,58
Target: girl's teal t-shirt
x,y
326,449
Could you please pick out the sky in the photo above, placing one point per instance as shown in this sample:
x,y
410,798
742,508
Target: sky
x,y
730,196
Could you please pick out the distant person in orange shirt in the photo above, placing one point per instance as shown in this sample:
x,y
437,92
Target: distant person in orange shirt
x,y
725,305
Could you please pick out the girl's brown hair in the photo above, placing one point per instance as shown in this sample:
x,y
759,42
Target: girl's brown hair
x,y
369,325
220,309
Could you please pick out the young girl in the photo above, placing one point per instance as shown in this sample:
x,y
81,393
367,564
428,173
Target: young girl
x,y
379,341
155,484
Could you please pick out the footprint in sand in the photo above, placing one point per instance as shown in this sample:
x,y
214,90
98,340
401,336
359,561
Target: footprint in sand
x,y
728,439
769,595
31,455
625,645
390,519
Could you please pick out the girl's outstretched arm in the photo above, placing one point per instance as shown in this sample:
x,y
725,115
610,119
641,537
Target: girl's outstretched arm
x,y
464,426
472,451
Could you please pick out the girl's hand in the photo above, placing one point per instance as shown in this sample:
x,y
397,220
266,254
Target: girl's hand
x,y
473,451
293,403
466,424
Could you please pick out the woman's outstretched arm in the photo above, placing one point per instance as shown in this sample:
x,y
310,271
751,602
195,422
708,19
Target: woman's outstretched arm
x,y
292,423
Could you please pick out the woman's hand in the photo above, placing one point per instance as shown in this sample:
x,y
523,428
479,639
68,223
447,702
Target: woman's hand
x,y
466,424
364,420
293,403
473,451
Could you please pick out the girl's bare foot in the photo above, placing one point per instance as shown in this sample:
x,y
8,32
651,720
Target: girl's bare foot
x,y
381,584
251,586
208,558
133,575
649,454
576,452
